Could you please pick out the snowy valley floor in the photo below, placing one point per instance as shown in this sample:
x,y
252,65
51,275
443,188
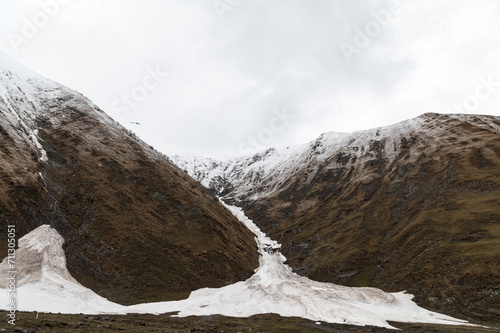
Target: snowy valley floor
x,y
47,286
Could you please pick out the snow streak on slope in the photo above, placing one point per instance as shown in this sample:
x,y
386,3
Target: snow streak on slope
x,y
274,288
25,96
46,285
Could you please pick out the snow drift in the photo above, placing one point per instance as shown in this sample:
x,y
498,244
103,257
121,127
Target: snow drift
x,y
45,285
43,281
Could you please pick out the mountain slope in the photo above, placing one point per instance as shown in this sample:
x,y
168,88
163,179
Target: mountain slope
x,y
414,206
136,227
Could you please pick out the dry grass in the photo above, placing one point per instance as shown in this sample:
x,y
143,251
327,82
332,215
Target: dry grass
x,y
430,227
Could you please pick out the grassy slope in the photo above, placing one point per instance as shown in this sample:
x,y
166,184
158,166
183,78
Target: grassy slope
x,y
136,227
430,227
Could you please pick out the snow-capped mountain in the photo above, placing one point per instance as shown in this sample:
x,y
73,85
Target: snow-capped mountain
x,y
412,206
126,212
265,173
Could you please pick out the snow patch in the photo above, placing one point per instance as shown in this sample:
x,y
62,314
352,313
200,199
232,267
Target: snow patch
x,y
36,140
43,281
45,285
274,288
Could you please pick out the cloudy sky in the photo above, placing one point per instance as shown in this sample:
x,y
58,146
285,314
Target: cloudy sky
x,y
229,77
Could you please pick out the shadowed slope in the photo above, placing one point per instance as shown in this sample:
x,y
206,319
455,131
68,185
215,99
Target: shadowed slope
x,y
136,227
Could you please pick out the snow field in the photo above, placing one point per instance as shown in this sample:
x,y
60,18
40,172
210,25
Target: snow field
x,y
45,285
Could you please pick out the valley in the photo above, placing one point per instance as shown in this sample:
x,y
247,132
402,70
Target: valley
x,y
414,206
332,231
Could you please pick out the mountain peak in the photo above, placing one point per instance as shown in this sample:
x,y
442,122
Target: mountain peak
x,y
113,198
11,66
4,56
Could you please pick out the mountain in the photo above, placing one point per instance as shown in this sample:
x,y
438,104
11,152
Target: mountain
x,y
414,206
136,227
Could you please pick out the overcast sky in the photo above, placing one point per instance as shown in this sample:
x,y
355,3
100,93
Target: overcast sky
x,y
229,77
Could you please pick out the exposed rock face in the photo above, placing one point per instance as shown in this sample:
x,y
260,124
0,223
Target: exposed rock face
x,y
136,227
414,206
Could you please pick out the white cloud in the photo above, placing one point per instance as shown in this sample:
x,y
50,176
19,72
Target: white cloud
x,y
227,76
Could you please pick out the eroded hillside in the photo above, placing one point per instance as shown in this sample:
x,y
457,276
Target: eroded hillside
x,y
414,206
136,227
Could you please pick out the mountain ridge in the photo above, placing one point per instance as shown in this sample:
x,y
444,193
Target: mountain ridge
x,y
126,212
328,140
413,206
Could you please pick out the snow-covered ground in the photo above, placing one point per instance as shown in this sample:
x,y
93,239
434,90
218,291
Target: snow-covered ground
x,y
26,98
45,285
43,281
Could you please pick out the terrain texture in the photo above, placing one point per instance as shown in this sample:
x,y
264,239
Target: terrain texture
x,y
48,322
136,227
414,206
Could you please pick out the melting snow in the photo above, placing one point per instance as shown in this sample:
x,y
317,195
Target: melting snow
x,y
274,288
35,139
44,283
47,286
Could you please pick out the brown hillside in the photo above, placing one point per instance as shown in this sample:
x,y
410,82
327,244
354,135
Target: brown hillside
x,y
427,221
413,206
136,227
